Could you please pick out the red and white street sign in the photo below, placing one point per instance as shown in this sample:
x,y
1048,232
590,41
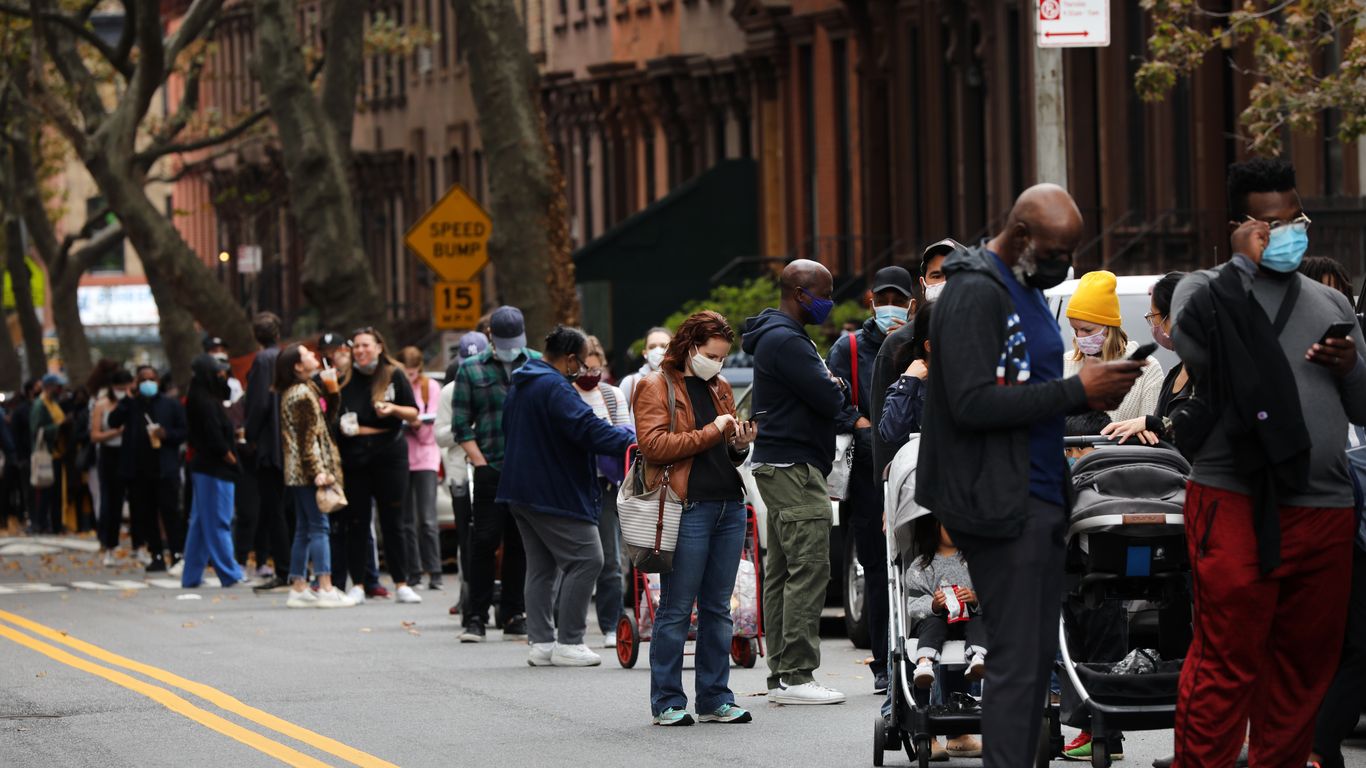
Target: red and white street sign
x,y
1073,23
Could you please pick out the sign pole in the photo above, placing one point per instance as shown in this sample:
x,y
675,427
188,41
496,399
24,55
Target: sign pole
x,y
1050,125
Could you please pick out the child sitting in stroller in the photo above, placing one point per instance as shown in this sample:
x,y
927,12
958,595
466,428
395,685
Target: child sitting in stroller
x,y
939,593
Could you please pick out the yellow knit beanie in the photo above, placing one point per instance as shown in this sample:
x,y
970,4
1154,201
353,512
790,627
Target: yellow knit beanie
x,y
1095,300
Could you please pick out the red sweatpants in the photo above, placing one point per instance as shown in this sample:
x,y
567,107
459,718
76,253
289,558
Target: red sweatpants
x,y
1265,648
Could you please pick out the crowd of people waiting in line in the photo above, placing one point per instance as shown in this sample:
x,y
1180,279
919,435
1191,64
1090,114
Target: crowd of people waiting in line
x,y
294,467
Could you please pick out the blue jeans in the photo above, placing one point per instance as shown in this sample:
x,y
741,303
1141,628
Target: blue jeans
x,y
311,543
210,536
710,535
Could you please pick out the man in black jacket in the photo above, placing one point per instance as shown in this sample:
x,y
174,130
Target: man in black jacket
x,y
862,507
267,532
154,429
991,462
796,402
214,469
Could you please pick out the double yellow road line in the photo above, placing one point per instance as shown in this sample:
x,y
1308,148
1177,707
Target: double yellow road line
x,y
182,706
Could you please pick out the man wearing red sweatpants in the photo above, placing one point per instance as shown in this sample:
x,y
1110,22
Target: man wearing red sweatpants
x,y
1269,519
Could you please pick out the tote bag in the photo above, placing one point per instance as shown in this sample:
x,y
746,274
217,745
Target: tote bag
x,y
649,517
41,473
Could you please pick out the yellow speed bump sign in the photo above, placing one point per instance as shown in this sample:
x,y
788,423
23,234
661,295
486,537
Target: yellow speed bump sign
x,y
457,305
452,237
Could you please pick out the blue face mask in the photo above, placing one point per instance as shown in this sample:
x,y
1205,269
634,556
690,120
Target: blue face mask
x,y
147,388
1285,249
819,309
890,316
1071,461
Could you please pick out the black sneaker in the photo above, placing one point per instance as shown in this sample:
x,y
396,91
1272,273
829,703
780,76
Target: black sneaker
x,y
474,632
157,565
515,628
880,683
271,584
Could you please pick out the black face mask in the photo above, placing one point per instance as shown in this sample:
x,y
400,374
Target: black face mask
x,y
1048,274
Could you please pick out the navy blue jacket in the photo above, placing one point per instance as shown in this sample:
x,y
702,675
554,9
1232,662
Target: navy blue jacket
x,y
902,410
870,338
552,435
795,401
133,413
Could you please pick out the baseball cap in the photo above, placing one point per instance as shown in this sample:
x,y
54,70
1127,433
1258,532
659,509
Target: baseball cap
x,y
208,365
211,341
893,278
471,344
508,328
54,380
942,248
332,340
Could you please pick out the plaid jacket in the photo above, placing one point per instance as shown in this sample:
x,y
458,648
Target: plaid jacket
x,y
481,388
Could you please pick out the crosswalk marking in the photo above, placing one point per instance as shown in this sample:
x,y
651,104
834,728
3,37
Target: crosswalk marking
x,y
210,582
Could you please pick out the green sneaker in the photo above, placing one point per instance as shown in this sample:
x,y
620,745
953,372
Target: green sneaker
x,y
674,716
727,713
1079,752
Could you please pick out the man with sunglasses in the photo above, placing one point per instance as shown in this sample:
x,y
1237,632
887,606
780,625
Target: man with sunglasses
x,y
1276,361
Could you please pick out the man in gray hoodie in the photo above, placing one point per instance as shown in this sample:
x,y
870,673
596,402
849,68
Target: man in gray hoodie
x,y
796,402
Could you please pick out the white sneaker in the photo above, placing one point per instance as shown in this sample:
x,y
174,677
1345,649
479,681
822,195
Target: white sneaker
x,y
144,557
924,674
574,656
773,692
977,667
303,598
109,561
333,598
807,693
405,594
540,655
178,569
357,595
609,640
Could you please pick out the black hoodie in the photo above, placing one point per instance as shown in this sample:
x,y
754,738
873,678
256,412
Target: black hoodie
x,y
211,432
973,472
795,400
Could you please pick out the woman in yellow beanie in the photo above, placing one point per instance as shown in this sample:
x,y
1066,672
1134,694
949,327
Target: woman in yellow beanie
x,y
1094,314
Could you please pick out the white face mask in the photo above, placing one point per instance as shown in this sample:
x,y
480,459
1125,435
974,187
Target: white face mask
x,y
653,357
507,355
1092,345
932,291
705,367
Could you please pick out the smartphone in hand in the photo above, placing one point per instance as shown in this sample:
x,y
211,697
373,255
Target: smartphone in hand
x,y
1144,352
1337,331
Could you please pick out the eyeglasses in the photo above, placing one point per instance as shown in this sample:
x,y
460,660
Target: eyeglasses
x,y
1154,318
1298,224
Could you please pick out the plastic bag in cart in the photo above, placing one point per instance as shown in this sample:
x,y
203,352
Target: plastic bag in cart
x,y
744,601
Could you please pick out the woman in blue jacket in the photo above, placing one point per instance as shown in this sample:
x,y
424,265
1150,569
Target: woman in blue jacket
x,y
550,482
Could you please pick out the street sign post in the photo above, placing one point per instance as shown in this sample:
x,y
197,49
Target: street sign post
x,y
249,259
457,304
452,237
1073,23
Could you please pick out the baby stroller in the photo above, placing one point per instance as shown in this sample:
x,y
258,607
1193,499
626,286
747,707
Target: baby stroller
x,y
913,723
1125,541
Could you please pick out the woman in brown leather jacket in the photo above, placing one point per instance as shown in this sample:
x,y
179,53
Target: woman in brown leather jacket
x,y
699,440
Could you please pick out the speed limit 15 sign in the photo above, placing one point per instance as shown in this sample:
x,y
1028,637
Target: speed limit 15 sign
x,y
457,305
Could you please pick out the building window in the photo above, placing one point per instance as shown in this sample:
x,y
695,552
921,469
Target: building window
x,y
431,181
445,31
718,141
649,165
586,150
807,86
479,175
453,168
844,170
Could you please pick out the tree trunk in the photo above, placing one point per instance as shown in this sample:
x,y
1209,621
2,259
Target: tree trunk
x,y
11,375
530,224
21,280
62,284
166,257
179,338
336,274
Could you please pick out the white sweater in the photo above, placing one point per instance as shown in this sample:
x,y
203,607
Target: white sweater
x,y
1142,399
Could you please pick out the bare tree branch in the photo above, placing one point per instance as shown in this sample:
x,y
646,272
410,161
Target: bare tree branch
x,y
151,154
343,51
151,69
195,21
75,26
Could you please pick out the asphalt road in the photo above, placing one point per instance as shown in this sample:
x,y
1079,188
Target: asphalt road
x,y
381,684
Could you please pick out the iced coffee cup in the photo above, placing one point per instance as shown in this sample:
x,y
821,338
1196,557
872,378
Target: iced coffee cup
x,y
350,424
153,437
329,378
